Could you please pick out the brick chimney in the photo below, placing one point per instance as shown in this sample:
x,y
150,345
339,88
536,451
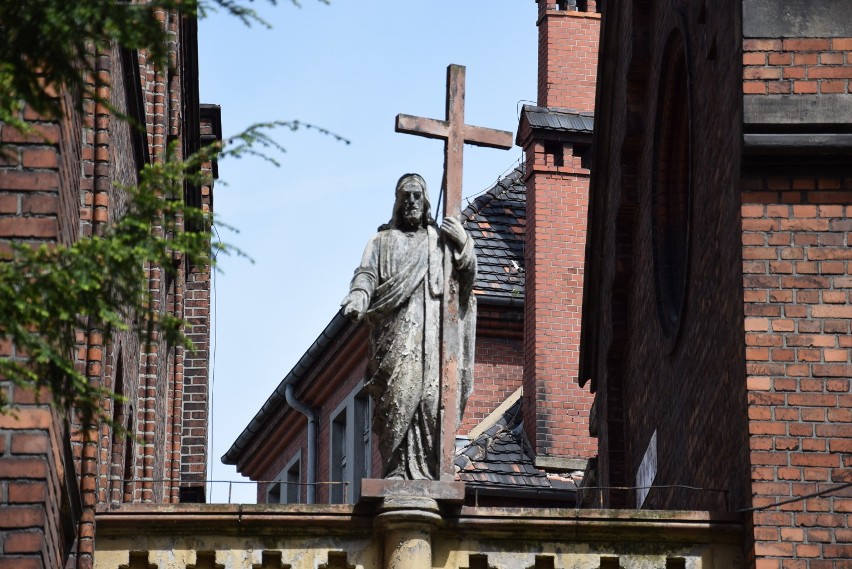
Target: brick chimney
x,y
568,34
556,136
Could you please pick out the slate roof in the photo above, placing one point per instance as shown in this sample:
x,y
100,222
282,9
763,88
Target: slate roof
x,y
557,118
496,220
501,457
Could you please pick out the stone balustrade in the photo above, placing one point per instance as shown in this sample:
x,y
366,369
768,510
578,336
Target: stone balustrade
x,y
191,536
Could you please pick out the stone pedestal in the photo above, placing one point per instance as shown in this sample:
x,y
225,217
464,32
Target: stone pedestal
x,y
407,514
407,523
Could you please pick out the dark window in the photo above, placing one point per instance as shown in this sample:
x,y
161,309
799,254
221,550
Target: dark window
x,y
273,494
294,480
351,450
671,187
362,448
338,458
287,486
121,460
128,475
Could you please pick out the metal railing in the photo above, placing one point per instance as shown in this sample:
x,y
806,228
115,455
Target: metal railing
x,y
138,483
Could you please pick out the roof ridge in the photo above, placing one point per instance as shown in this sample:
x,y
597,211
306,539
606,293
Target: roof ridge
x,y
500,187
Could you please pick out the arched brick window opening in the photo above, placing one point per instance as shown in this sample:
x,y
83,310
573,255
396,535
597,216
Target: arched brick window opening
x,y
671,186
118,442
121,463
127,475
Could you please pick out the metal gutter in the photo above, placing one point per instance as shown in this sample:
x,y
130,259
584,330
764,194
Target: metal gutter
x,y
312,436
520,492
507,301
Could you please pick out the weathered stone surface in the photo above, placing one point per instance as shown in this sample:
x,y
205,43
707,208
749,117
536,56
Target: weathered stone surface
x,y
796,18
306,537
372,489
797,109
398,290
454,351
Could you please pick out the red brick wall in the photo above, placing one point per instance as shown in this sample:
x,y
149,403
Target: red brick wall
x,y
298,442
497,374
196,365
110,165
555,408
173,382
154,384
48,187
797,218
685,381
346,381
31,467
325,387
568,56
61,186
72,154
31,440
196,378
29,183
797,65
796,278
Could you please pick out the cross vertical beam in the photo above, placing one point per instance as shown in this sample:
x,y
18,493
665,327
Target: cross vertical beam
x,y
454,147
455,133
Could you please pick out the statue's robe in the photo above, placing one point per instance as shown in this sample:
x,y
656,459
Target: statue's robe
x,y
402,274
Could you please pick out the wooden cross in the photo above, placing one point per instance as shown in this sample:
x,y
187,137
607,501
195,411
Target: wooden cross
x,y
455,133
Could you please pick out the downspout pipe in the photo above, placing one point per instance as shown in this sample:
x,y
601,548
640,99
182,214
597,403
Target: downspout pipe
x,y
290,396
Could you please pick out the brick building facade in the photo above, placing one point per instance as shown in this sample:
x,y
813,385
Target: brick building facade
x,y
556,137
61,184
715,331
698,221
702,232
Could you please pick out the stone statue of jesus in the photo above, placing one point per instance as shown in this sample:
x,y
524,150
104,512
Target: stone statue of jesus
x,y
398,289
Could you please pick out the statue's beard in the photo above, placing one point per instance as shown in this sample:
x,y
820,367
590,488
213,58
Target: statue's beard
x,y
412,219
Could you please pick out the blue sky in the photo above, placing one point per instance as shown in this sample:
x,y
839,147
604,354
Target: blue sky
x,y
349,66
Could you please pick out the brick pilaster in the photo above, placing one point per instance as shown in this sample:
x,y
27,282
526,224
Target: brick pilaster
x,y
568,36
797,279
556,409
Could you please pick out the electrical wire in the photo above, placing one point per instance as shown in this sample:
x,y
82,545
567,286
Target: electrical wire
x,y
798,498
469,198
677,486
438,203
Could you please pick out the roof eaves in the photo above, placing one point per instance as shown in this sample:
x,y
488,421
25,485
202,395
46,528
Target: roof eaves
x,y
558,119
278,397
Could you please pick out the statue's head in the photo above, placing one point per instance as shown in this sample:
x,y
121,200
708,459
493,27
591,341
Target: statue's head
x,y
411,209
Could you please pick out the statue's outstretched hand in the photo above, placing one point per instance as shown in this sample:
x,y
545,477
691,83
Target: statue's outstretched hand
x,y
355,305
454,232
